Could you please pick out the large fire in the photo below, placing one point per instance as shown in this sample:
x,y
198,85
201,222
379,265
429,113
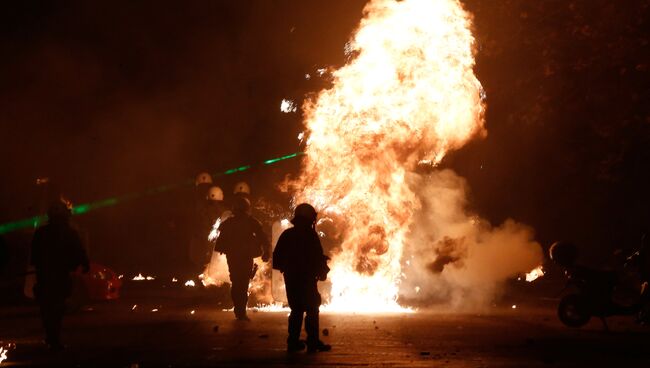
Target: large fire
x,y
396,225
406,98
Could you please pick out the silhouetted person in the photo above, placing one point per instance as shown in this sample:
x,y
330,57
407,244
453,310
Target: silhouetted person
x,y
241,239
299,256
57,251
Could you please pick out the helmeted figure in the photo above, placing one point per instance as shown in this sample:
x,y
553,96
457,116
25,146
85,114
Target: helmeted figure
x,y
241,238
242,189
208,199
57,250
299,256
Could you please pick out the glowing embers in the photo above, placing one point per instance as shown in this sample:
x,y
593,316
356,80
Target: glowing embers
x,y
140,277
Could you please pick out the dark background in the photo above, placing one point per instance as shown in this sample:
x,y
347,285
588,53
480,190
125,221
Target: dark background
x,y
107,98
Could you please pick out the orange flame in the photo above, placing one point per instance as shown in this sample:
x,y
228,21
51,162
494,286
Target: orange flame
x,y
407,97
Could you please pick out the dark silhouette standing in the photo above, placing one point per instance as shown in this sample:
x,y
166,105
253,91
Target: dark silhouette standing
x,y
241,239
299,256
57,251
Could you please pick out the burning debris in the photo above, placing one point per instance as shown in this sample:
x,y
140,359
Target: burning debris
x,y
190,283
535,274
448,252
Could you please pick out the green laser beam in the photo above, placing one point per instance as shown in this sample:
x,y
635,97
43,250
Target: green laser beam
x,y
87,207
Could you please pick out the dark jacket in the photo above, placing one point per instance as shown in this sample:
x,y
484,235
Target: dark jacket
x,y
299,253
242,236
57,250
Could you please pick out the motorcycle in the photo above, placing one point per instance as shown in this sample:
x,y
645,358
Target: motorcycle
x,y
593,291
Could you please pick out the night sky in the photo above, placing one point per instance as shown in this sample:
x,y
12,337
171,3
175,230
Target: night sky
x,y
108,98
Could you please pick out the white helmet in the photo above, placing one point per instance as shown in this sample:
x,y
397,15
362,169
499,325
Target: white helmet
x,y
215,194
242,187
203,178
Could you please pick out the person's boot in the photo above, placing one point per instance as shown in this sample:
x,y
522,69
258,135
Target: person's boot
x,y
295,345
242,317
318,346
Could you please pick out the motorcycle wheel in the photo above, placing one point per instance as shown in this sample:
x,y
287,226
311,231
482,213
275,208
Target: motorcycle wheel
x,y
574,311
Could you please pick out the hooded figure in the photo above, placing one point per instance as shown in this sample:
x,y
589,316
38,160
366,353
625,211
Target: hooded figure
x,y
299,256
57,251
241,238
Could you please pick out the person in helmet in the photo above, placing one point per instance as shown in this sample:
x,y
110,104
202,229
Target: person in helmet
x,y
57,250
241,238
242,189
299,256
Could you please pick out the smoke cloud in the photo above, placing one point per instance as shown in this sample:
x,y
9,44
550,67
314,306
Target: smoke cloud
x,y
455,257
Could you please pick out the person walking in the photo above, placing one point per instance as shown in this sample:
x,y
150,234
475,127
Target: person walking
x,y
57,250
299,256
241,238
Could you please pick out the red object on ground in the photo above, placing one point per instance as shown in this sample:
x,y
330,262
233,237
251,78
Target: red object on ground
x,y
100,283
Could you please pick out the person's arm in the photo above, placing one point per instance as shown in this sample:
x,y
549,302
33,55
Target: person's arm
x,y
263,239
320,259
280,253
221,244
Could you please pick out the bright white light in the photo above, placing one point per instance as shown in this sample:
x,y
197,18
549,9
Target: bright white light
x,y
190,283
3,354
535,274
139,277
214,233
288,106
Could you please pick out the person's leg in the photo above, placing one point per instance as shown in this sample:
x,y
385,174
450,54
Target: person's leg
x,y
52,310
313,300
239,279
294,297
295,325
311,325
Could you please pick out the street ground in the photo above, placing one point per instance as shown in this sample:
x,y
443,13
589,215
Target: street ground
x,y
117,334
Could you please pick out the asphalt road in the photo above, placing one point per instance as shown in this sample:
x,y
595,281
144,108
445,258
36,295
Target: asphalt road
x,y
117,334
